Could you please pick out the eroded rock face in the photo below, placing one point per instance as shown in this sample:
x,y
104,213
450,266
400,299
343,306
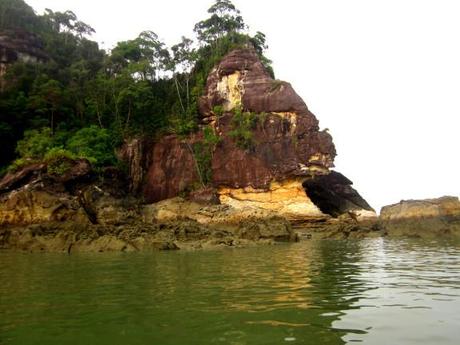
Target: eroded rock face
x,y
287,199
32,206
334,195
423,218
31,195
447,206
17,45
266,168
134,154
19,178
172,169
285,142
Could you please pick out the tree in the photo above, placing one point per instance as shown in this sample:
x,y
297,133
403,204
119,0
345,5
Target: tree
x,y
225,19
68,22
259,42
140,87
47,99
61,21
83,29
183,59
98,98
144,57
35,143
94,144
16,14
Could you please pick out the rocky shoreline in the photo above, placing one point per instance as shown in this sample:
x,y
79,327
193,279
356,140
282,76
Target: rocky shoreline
x,y
70,237
41,221
268,180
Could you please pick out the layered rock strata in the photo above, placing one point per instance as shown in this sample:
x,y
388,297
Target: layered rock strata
x,y
423,218
284,148
77,212
269,169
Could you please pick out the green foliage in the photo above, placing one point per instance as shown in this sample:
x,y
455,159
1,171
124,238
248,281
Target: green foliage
x,y
17,14
203,160
203,153
19,163
94,144
35,143
143,57
139,88
211,138
243,123
262,117
182,126
276,85
218,110
225,19
59,161
3,171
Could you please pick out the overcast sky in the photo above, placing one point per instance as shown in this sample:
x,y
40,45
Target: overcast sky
x,y
382,75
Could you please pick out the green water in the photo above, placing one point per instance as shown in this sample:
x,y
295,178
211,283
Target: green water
x,y
327,292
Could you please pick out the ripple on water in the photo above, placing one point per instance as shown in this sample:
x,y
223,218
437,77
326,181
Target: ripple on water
x,y
327,292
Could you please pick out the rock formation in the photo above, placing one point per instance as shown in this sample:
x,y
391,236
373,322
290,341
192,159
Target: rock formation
x,y
422,218
16,45
268,170
79,212
284,148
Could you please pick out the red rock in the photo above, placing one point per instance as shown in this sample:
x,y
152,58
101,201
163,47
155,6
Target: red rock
x,y
172,169
285,143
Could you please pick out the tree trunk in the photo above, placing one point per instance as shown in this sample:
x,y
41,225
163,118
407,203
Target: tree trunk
x,y
98,114
188,93
129,116
178,94
52,121
197,167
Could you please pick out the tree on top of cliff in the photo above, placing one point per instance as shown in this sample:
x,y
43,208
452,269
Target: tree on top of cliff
x,y
67,22
144,57
225,19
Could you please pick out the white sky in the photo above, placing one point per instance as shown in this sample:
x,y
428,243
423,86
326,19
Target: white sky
x,y
382,75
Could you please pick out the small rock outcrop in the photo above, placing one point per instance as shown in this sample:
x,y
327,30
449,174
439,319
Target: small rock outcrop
x,y
422,218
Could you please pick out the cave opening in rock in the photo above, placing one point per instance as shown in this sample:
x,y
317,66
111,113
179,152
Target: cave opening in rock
x,y
333,194
323,198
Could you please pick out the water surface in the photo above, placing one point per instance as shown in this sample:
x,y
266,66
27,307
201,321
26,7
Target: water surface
x,y
320,292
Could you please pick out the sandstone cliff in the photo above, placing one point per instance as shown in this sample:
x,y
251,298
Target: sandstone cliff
x,y
268,170
280,160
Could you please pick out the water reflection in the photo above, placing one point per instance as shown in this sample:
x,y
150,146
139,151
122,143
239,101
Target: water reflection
x,y
328,292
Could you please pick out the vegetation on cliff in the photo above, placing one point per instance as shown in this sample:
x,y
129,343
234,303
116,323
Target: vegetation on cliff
x,y
81,101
